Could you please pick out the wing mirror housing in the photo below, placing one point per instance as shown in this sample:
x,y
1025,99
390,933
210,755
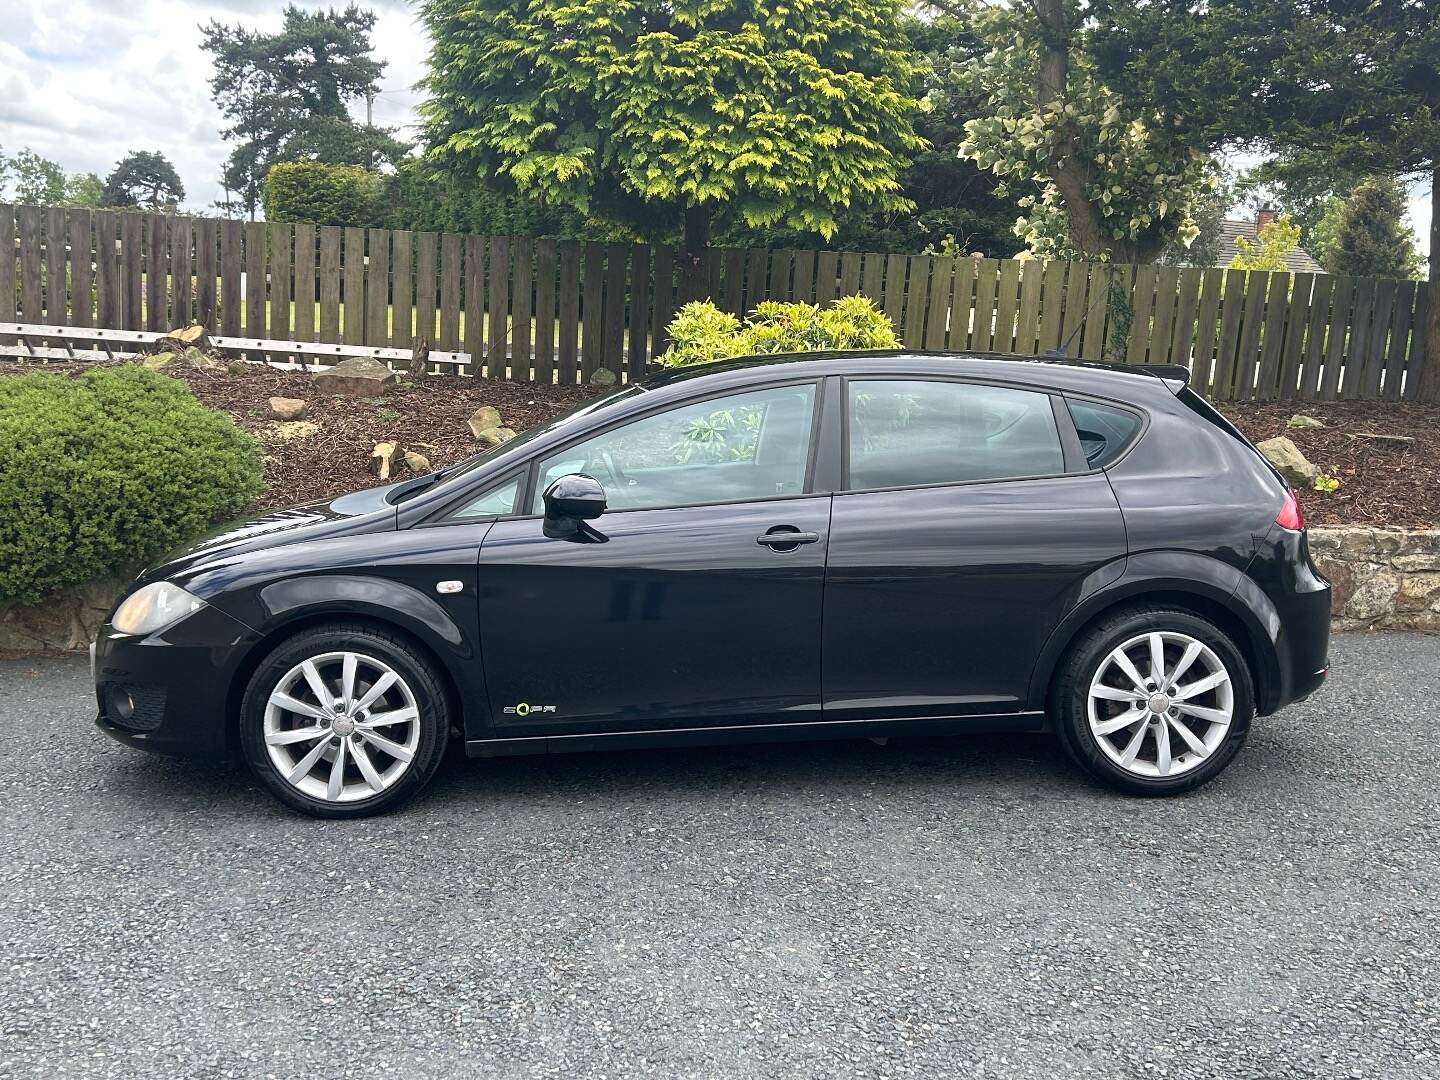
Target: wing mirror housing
x,y
570,501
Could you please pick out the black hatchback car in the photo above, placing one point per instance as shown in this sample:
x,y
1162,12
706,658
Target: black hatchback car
x,y
766,549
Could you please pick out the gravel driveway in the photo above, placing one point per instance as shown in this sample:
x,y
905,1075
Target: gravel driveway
x,y
942,908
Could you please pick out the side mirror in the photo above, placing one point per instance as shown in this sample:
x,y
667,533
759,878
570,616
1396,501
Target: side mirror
x,y
570,501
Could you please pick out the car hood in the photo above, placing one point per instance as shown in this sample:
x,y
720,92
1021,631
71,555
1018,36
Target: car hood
x,y
358,512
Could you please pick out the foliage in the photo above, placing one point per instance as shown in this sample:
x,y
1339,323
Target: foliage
x,y
1209,211
647,113
1102,175
84,189
1326,482
701,332
144,179
1326,233
723,435
1267,251
323,194
286,96
1301,184
419,199
1372,238
115,465
38,180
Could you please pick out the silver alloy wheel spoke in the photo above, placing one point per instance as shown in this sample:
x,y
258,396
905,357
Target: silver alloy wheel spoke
x,y
1159,729
329,749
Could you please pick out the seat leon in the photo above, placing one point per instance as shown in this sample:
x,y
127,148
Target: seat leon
x,y
773,548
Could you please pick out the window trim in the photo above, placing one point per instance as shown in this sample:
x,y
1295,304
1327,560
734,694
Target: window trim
x,y
440,517
846,489
1122,406
816,383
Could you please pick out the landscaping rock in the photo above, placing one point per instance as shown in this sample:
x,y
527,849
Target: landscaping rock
x,y
189,356
484,419
505,434
358,377
417,463
382,459
1286,457
287,408
603,377
1300,420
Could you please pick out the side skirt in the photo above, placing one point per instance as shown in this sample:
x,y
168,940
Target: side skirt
x,y
753,733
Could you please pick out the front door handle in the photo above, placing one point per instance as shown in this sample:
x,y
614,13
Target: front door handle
x,y
786,538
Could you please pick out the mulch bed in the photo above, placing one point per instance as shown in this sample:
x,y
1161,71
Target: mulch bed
x,y
1382,482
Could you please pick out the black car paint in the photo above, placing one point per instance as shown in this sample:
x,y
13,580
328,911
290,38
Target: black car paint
x,y
682,626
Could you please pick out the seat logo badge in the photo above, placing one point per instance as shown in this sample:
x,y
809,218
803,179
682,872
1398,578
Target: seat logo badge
x,y
449,586
525,709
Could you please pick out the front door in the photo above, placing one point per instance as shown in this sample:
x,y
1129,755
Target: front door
x,y
956,549
689,612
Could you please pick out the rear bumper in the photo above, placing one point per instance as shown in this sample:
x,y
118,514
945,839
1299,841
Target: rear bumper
x,y
171,692
1300,633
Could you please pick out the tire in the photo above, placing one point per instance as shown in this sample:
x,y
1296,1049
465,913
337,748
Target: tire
x,y
399,729
1095,693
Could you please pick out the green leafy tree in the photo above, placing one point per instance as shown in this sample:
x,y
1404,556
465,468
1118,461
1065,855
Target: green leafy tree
x,y
287,96
1357,81
417,198
84,189
144,179
1267,251
654,112
38,181
1104,175
1301,184
1371,236
323,194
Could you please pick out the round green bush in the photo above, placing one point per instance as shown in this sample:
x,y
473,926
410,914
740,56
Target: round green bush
x,y
115,465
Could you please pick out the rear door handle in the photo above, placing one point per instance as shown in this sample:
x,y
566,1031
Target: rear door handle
x,y
786,538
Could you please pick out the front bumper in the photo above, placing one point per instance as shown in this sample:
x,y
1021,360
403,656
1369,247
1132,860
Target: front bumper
x,y
172,692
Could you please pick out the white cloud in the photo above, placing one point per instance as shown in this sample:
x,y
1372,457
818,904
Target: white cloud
x,y
86,82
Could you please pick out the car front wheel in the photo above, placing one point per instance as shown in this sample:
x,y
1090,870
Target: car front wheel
x,y
344,721
1154,701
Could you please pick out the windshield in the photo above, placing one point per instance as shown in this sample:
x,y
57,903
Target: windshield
x,y
494,453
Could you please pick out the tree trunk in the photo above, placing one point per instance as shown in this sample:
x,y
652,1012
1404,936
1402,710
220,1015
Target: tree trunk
x,y
1430,373
697,228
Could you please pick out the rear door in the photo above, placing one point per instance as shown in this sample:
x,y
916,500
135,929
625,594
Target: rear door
x,y
957,544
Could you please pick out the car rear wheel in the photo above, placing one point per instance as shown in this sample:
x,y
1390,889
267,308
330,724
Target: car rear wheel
x,y
1154,701
344,721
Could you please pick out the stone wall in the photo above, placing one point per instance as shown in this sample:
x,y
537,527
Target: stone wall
x,y
1384,579
66,619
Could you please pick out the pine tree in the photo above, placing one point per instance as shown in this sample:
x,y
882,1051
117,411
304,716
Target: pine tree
x,y
1373,239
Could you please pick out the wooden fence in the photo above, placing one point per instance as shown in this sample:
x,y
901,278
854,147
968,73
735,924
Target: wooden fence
x,y
547,310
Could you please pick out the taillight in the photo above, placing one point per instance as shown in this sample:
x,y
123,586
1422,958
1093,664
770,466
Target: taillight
x,y
1291,515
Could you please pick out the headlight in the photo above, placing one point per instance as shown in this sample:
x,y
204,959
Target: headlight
x,y
154,607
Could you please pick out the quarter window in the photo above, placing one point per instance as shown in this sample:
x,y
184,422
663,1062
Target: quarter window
x,y
904,433
745,446
495,502
1103,430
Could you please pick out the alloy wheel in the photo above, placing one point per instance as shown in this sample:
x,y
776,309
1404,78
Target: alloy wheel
x,y
1160,704
341,726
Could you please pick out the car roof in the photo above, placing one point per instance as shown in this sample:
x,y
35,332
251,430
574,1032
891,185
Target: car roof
x,y
1050,371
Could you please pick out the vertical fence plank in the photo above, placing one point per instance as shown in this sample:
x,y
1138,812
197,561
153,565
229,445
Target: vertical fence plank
x,y
1399,341
782,266
1297,317
426,284
569,303
182,268
1142,303
1339,332
107,269
827,276
1052,306
849,273
937,320
1077,284
232,269
756,275
522,306
448,336
733,284
132,253
895,289
56,289
32,275
1361,317
711,288
1385,292
962,304
640,309
1212,288
473,301
278,239
329,282
1308,379
872,278
616,256
1007,304
352,287
303,266
1247,357
402,288
804,262
987,280
1097,313
1187,285
546,265
662,306
497,302
255,290
1277,306
157,274
1027,322
1415,362
8,265
917,300
592,316
1228,347
377,287
1167,290
207,270
82,276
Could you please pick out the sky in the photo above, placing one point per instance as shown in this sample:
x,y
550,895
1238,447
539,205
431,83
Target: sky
x,y
86,81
